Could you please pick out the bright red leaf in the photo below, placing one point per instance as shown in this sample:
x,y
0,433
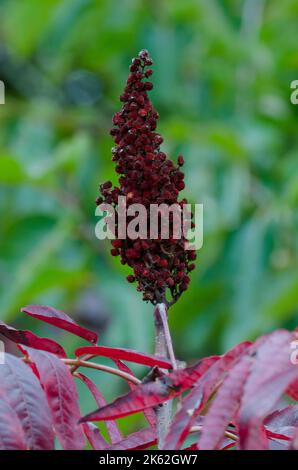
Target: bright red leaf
x,y
113,430
27,338
194,402
148,412
152,393
223,408
125,355
60,320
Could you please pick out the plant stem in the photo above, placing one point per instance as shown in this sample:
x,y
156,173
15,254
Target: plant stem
x,y
230,435
163,347
163,315
87,357
110,370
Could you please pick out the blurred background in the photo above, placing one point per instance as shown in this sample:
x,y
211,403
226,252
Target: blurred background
x,y
222,78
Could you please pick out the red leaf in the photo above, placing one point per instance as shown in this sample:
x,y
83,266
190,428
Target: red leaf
x,y
276,435
27,338
251,429
60,320
281,421
293,390
280,427
149,412
152,393
271,375
127,370
125,355
11,431
62,397
114,433
272,355
294,443
21,389
94,436
124,368
137,441
193,446
228,444
195,401
225,405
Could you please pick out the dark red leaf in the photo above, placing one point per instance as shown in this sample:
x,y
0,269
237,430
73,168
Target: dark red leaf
x,y
21,389
152,393
94,436
224,405
137,441
27,338
11,431
148,412
271,375
125,355
194,402
113,430
62,397
60,320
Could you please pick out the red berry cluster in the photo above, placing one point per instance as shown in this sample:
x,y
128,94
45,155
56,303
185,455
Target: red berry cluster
x,y
146,177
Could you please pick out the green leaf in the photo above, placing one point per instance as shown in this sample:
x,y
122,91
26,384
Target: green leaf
x,y
11,171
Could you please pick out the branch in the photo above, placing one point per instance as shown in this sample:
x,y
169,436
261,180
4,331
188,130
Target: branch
x,y
76,363
230,435
110,370
87,357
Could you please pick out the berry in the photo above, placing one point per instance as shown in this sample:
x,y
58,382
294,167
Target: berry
x,y
146,176
180,160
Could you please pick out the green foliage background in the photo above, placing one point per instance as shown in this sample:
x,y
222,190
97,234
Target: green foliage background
x,y
222,78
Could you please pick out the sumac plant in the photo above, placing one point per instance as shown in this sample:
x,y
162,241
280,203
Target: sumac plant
x,y
243,399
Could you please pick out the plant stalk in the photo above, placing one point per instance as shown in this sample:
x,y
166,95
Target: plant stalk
x,y
110,370
164,348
